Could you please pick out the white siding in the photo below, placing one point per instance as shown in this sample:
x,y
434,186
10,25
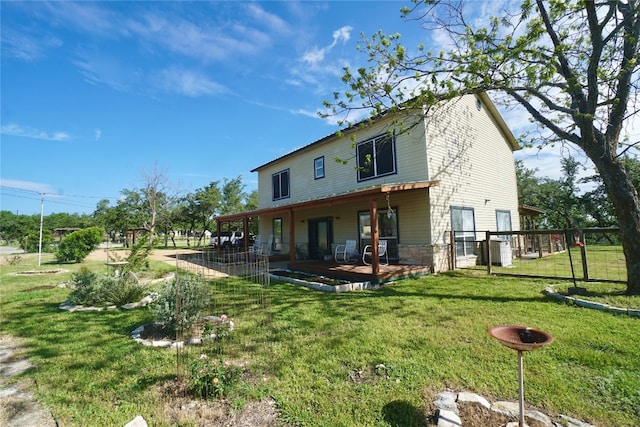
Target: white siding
x,y
342,178
473,162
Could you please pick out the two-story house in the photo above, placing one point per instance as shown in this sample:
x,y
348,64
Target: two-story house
x,y
414,179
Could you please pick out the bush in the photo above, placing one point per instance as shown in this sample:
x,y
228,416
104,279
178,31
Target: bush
x,y
86,290
193,298
211,377
120,290
77,245
33,242
91,289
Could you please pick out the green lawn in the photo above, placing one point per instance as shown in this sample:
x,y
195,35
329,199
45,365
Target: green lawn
x,y
322,354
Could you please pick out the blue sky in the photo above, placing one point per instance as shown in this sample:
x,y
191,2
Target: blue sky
x,y
96,93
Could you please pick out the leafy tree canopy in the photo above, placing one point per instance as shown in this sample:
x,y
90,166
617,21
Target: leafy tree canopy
x,y
572,65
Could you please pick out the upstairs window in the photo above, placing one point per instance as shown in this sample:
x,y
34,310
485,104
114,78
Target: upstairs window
x,y
376,157
280,183
318,168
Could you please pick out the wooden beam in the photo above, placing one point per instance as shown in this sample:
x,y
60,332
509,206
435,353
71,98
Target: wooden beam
x,y
375,261
292,237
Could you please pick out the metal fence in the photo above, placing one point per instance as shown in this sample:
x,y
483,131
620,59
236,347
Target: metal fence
x,y
590,254
233,293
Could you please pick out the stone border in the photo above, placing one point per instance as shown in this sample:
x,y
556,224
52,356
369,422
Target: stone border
x,y
446,415
551,292
345,287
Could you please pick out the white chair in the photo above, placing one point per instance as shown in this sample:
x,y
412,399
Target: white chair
x,y
344,252
268,247
382,252
256,248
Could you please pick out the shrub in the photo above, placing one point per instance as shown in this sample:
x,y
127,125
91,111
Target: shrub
x,y
211,377
193,298
120,290
86,290
77,245
32,242
91,289
138,258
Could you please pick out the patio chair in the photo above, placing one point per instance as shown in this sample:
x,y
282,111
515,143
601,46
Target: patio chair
x,y
345,251
382,252
268,247
256,248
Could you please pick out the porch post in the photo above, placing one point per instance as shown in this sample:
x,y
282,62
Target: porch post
x,y
218,230
292,237
245,228
375,262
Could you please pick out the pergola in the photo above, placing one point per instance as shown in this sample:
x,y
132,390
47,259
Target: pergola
x,y
371,194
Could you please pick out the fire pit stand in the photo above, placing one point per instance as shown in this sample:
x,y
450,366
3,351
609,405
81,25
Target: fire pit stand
x,y
521,339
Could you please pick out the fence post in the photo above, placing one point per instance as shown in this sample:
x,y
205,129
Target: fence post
x,y
583,253
488,250
452,250
540,252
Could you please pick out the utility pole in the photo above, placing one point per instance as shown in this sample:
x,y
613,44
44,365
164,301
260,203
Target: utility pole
x,y
41,221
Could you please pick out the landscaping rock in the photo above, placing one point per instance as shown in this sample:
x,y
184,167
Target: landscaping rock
x,y
138,421
448,415
448,419
446,401
466,397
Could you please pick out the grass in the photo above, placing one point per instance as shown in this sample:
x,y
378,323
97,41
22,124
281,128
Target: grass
x,y
371,358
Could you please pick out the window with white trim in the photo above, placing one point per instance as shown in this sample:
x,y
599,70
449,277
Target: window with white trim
x,y
503,223
318,167
280,183
376,157
464,230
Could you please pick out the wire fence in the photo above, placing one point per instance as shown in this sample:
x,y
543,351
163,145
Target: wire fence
x,y
587,255
224,314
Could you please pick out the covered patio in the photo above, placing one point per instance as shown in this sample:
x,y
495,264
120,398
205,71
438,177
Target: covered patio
x,y
376,272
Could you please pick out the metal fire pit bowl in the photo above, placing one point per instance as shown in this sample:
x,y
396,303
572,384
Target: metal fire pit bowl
x,y
520,337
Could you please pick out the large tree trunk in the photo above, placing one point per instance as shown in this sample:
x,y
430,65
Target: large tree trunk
x,y
624,197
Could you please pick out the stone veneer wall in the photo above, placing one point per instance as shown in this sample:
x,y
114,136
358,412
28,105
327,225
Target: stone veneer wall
x,y
436,256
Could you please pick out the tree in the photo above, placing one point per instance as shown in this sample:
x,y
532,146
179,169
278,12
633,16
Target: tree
x,y
572,65
596,201
77,245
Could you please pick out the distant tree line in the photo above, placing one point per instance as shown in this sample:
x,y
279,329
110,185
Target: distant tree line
x,y
157,208
571,202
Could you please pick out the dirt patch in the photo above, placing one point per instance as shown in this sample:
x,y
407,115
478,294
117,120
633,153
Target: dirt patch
x,y
177,409
35,272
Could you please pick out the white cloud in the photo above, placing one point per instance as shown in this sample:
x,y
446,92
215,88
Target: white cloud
x,y
98,134
27,132
26,185
20,45
189,83
269,20
316,55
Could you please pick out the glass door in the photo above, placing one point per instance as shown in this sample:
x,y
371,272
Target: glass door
x,y
320,237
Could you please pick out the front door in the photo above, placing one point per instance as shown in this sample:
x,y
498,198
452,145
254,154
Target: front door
x,y
320,237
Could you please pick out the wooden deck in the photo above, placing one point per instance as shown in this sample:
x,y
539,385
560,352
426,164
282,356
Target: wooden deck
x,y
359,272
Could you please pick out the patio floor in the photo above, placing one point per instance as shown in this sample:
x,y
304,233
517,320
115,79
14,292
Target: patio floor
x,y
356,272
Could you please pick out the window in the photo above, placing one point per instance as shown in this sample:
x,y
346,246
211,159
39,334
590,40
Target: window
x,y
464,230
318,167
387,229
280,182
376,157
503,223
